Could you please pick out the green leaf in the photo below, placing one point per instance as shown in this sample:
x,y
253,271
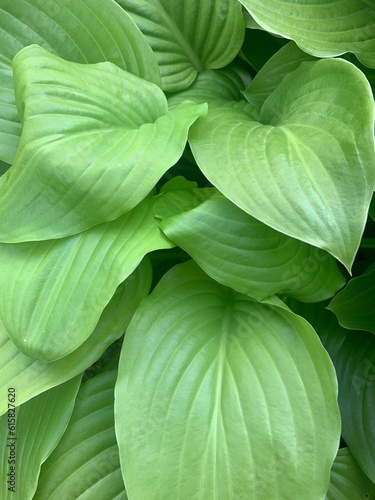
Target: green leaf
x,y
219,396
85,464
286,60
353,354
189,38
31,377
87,148
28,435
83,31
3,167
53,292
239,251
354,306
348,480
214,86
320,28
306,168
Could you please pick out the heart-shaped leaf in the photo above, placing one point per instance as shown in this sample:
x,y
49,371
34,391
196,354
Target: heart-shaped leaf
x,y
241,252
323,29
189,38
306,168
85,463
348,480
354,306
53,292
31,377
84,31
95,141
28,435
219,396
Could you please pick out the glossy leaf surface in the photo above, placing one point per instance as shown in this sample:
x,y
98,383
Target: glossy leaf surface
x,y
31,377
85,464
306,167
214,388
90,135
188,38
320,28
84,31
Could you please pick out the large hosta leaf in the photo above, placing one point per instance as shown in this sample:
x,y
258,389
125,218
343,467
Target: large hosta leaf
x,y
188,38
322,29
354,306
85,464
95,140
85,31
307,167
53,292
245,254
28,435
30,377
219,396
348,480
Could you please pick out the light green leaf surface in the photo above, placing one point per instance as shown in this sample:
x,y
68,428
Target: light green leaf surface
x,y
307,167
53,292
31,377
85,464
84,31
354,306
286,60
353,354
241,252
214,86
95,141
219,396
323,29
348,480
188,38
28,435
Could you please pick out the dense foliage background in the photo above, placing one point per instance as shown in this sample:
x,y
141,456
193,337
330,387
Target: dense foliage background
x,y
197,175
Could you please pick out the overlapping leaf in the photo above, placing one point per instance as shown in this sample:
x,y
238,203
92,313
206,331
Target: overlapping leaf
x,y
85,464
85,31
354,306
245,254
34,430
188,38
353,354
214,87
219,396
95,141
320,28
348,480
53,292
31,377
306,168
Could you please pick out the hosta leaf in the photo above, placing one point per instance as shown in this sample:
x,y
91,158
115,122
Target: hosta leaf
x,y
259,46
214,86
95,141
219,396
3,167
85,464
307,167
320,28
353,354
245,254
188,38
354,306
286,60
53,292
31,377
348,480
28,435
84,31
